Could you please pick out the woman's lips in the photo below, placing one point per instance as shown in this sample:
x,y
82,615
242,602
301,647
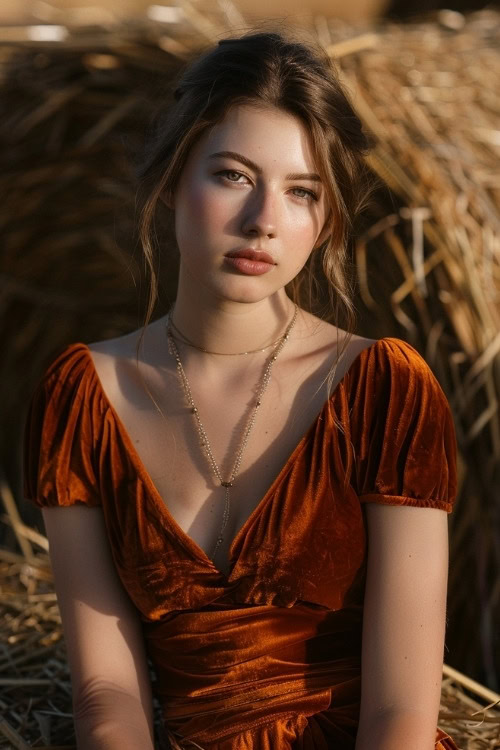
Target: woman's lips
x,y
248,266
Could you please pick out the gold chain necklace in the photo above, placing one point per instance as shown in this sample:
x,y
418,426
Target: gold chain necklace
x,y
227,484
220,354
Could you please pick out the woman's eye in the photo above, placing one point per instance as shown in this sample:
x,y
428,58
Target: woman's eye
x,y
307,194
230,174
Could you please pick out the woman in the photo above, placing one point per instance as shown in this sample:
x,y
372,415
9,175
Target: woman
x,y
233,468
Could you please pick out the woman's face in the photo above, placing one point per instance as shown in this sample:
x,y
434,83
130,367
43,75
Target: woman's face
x,y
249,183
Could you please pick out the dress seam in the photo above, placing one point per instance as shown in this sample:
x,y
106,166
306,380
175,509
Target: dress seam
x,y
392,499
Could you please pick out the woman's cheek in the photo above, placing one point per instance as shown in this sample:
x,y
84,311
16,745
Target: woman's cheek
x,y
303,236
190,212
298,266
212,208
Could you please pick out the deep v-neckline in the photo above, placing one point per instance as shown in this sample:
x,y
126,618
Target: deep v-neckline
x,y
154,493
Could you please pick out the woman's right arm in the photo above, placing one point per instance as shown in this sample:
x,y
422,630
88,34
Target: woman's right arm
x,y
112,698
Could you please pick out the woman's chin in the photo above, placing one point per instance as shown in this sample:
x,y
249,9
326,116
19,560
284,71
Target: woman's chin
x,y
235,289
244,296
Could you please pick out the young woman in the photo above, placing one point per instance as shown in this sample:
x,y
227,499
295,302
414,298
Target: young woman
x,y
258,498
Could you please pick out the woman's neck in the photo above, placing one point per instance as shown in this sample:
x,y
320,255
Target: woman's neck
x,y
231,327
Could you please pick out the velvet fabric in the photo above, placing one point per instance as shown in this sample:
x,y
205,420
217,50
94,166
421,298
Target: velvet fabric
x,y
268,656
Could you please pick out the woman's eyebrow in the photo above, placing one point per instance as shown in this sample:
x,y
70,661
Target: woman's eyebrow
x,y
252,165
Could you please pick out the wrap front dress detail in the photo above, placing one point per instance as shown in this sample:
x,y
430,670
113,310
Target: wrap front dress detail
x,y
268,656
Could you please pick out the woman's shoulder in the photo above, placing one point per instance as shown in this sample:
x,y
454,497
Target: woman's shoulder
x,y
114,361
390,375
362,365
351,351
60,431
325,339
395,356
110,354
381,369
69,382
66,366
106,355
66,387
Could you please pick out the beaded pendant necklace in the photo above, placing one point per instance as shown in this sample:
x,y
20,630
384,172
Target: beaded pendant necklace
x,y
204,441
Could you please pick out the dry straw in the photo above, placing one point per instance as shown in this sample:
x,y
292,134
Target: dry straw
x,y
426,259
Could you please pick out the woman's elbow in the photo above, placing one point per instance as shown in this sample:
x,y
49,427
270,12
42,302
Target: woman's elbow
x,y
108,718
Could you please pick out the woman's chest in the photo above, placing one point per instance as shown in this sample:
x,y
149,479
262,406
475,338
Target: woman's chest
x,y
294,528
302,539
186,456
189,459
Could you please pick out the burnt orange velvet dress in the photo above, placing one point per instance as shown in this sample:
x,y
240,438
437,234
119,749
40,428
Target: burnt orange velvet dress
x,y
269,656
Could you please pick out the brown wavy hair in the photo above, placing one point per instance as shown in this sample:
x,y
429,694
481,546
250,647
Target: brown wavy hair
x,y
276,69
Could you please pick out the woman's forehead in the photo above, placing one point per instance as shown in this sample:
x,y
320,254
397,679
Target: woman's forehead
x,y
267,136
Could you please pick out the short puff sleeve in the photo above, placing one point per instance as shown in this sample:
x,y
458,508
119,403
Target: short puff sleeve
x,y
402,431
59,435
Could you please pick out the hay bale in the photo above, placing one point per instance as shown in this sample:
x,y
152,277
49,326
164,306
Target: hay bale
x,y
426,257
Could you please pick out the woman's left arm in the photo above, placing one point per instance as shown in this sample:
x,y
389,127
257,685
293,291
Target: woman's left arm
x,y
404,625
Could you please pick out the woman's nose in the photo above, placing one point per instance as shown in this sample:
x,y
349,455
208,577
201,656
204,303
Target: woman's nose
x,y
260,214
